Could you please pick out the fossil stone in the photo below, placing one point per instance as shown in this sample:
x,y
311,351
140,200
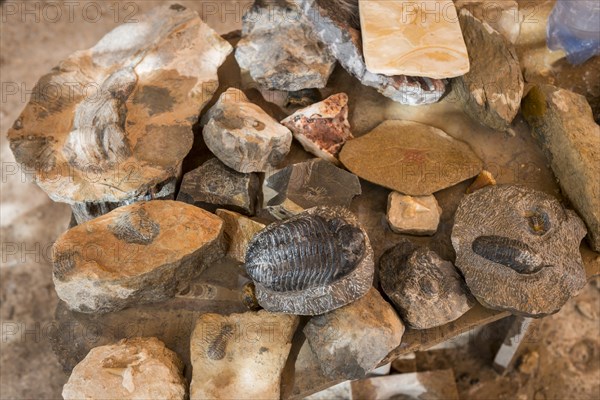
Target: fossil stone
x,y
503,15
485,178
426,290
280,51
137,368
491,91
136,254
411,158
309,184
240,356
563,124
312,263
214,185
352,340
322,128
111,125
243,136
418,215
239,230
344,42
518,249
413,38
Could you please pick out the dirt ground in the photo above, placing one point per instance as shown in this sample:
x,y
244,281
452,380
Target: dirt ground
x,y
561,360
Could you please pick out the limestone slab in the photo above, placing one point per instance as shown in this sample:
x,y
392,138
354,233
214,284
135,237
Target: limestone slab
x,y
418,215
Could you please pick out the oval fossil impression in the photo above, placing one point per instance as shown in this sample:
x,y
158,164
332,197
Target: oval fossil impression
x,y
312,263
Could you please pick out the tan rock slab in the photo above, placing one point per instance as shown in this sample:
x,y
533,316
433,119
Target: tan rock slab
x,y
419,215
239,230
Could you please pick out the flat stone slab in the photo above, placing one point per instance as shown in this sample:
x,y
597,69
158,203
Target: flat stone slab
x,y
419,215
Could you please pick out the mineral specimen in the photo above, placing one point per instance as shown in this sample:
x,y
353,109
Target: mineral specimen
x,y
426,290
280,51
563,124
344,42
138,368
240,356
243,136
214,185
239,230
413,38
518,249
111,125
410,157
136,254
352,340
413,215
322,128
491,91
312,263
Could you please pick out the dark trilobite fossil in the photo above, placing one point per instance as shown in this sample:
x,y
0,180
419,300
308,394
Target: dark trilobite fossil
x,y
312,263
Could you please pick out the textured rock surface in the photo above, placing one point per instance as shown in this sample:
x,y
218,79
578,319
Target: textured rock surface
x,y
136,254
563,124
240,356
410,157
503,15
491,91
485,178
322,128
243,136
413,38
518,249
279,49
214,185
119,121
239,230
309,184
312,263
413,215
138,368
352,340
426,290
344,42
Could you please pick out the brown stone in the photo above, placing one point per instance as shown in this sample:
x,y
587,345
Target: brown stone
x,y
485,178
239,230
419,215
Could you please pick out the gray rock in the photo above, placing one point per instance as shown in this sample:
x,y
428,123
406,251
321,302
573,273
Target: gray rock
x,y
280,51
426,290
309,184
563,124
344,42
213,185
518,249
243,136
492,90
352,340
419,215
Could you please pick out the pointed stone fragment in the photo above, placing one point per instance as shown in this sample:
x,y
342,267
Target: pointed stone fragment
x,y
239,230
419,215
485,178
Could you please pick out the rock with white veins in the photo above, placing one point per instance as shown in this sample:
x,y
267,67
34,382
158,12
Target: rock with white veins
x,y
125,143
322,128
243,136
239,230
240,356
142,253
419,215
137,368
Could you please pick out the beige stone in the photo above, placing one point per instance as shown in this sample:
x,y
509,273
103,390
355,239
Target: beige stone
x,y
485,178
415,38
419,215
138,368
238,230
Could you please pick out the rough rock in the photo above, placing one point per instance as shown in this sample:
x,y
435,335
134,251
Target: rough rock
x,y
302,98
322,128
243,136
214,185
352,340
240,356
239,230
503,15
410,158
111,125
492,90
308,184
413,215
312,263
485,178
344,42
249,297
279,49
563,124
413,38
518,249
137,368
426,290
141,253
